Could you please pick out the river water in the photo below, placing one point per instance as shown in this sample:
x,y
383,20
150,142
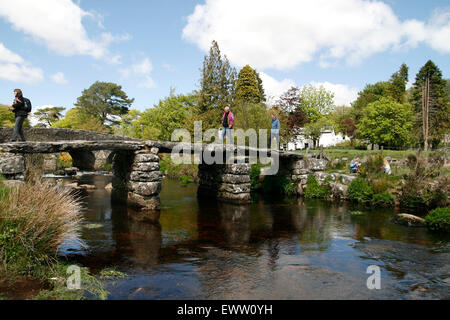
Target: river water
x,y
271,249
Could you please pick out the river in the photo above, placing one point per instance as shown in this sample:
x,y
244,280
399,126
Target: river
x,y
271,249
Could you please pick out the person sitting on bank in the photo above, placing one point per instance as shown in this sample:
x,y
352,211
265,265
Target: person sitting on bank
x,y
275,131
227,125
18,107
354,165
386,167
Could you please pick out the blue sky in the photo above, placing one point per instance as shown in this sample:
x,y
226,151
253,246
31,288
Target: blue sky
x,y
53,49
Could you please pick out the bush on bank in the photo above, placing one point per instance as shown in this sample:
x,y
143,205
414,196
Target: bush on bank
x,y
439,219
35,219
360,190
315,190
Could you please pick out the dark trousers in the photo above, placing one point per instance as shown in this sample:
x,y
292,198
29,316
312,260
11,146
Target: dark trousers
x,y
18,130
277,137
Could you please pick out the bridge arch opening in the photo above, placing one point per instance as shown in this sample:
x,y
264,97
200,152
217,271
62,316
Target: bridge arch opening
x,y
83,159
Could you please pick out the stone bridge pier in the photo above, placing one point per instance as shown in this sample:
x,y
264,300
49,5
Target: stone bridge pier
x,y
227,182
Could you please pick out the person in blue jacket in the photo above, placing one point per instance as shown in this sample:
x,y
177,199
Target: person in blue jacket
x,y
275,131
354,165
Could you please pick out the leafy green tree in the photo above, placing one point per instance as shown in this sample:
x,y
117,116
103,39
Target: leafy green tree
x,y
431,101
371,93
126,126
316,102
48,116
159,122
343,121
387,122
77,118
104,100
217,88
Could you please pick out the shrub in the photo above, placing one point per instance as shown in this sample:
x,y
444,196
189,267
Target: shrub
x,y
277,185
35,219
384,199
380,184
360,190
439,219
185,179
315,190
254,175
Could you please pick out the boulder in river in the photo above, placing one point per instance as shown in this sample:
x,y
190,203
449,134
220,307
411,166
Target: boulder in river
x,y
409,220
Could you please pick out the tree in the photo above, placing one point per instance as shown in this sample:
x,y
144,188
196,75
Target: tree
x,y
249,87
371,93
159,122
343,122
316,102
397,84
104,101
48,116
387,122
431,101
217,88
289,103
77,118
126,126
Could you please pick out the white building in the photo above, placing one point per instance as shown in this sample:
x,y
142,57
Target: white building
x,y
328,139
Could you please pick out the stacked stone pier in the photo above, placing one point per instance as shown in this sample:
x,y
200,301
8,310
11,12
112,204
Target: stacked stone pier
x,y
226,182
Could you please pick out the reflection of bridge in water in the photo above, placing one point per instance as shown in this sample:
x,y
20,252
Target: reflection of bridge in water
x,y
224,170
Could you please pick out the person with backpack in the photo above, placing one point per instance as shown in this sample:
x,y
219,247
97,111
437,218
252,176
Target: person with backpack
x,y
21,108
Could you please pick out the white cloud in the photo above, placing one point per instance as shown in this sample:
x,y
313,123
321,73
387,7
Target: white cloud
x,y
57,24
8,56
274,88
284,34
59,78
141,70
343,94
14,68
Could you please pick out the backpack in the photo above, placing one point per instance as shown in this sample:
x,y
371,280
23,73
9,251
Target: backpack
x,y
27,105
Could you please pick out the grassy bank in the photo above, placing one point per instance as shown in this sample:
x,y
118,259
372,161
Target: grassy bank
x,y
339,153
36,218
186,173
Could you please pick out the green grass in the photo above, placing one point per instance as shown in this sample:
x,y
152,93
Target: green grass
x,y
351,153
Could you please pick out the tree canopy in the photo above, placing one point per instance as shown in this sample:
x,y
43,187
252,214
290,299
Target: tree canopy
x,y
104,100
48,116
387,122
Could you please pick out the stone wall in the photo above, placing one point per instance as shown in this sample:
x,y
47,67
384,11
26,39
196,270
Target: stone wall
x,y
47,134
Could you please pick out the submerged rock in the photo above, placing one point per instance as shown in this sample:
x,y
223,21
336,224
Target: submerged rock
x,y
409,220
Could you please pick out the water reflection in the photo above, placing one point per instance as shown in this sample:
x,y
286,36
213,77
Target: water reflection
x,y
269,249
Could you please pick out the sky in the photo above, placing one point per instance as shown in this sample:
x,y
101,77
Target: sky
x,y
54,49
